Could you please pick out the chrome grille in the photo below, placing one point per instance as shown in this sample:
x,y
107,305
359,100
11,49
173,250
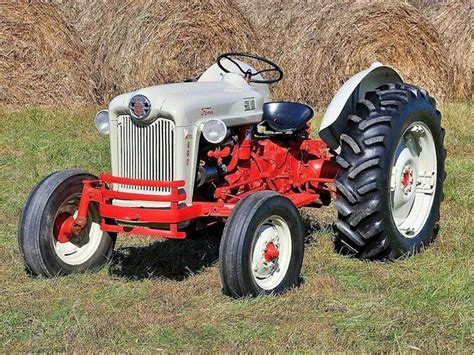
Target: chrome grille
x,y
146,152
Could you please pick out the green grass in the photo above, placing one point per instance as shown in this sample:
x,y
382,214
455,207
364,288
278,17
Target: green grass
x,y
167,295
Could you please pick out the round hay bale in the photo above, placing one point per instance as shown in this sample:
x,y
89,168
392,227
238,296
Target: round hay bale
x,y
41,58
453,20
142,43
326,43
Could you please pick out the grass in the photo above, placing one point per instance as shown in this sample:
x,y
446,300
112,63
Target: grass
x,y
166,295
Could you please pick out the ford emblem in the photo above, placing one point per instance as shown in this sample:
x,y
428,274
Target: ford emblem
x,y
139,107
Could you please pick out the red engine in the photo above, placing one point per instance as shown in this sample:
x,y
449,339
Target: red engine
x,y
248,162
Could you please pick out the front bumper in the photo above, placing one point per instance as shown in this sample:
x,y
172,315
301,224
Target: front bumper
x,y
114,218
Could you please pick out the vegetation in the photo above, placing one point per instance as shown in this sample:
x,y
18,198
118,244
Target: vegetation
x,y
82,52
166,295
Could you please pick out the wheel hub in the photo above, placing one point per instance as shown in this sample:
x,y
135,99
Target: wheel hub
x,y
62,224
266,253
75,239
407,179
271,252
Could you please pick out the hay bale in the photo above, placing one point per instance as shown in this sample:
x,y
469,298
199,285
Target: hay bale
x,y
142,43
41,60
453,20
320,45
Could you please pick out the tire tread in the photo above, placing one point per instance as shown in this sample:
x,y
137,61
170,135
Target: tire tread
x,y
363,145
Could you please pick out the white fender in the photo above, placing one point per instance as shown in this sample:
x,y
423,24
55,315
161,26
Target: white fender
x,y
214,73
344,102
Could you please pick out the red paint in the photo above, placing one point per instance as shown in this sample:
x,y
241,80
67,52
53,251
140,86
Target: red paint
x,y
244,151
406,178
136,182
298,168
149,232
286,165
62,224
219,154
271,252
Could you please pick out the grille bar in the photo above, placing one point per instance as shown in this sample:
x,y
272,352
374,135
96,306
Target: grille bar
x,y
146,152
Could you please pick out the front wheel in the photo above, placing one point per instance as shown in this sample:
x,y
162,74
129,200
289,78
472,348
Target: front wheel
x,y
262,245
45,251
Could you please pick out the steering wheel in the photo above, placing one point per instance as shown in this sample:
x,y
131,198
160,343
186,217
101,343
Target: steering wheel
x,y
248,74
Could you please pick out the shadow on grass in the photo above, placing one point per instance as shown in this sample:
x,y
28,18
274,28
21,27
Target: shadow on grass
x,y
313,230
168,258
180,259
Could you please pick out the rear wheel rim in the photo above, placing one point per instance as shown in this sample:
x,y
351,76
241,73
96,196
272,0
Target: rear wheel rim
x,y
413,179
271,252
78,249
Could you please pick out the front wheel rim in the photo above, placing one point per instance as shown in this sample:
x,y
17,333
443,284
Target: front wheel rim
x,y
77,249
271,252
413,179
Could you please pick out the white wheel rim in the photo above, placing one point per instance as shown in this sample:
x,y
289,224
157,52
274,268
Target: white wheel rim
x,y
413,179
82,247
271,252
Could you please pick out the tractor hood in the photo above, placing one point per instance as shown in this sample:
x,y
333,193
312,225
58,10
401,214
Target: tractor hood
x,y
169,136
231,99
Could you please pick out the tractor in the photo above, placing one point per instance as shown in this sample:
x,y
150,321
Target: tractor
x,y
217,149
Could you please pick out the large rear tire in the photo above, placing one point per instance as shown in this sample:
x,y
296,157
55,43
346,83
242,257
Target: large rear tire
x,y
262,246
52,201
389,188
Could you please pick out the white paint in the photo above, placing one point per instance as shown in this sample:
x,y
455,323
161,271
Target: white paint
x,y
80,250
344,102
188,105
411,205
214,73
268,275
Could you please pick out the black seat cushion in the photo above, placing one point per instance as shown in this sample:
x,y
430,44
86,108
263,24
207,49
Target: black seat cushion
x,y
287,116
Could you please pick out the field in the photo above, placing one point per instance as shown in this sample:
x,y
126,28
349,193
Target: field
x,y
166,295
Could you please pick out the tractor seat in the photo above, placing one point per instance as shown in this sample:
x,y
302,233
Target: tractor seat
x,y
286,116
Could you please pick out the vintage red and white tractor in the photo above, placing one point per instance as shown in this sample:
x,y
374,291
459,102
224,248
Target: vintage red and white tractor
x,y
186,155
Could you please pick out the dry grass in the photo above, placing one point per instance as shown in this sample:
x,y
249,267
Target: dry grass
x,y
453,19
106,48
166,295
41,57
321,44
141,43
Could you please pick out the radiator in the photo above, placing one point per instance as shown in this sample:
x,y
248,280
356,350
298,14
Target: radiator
x,y
145,152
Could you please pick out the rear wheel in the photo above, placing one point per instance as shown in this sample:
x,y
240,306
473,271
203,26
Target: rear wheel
x,y
392,170
262,245
45,250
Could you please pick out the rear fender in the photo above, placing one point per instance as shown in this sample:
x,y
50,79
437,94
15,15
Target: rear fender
x,y
344,102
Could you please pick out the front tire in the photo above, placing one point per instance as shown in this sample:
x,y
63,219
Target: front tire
x,y
262,246
390,184
51,202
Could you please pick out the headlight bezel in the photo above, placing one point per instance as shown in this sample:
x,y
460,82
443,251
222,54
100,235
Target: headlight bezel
x,y
214,130
102,122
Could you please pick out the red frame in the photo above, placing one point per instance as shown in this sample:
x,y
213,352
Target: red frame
x,y
99,191
304,168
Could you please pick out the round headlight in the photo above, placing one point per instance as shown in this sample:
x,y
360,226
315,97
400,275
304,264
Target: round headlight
x,y
102,122
214,131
